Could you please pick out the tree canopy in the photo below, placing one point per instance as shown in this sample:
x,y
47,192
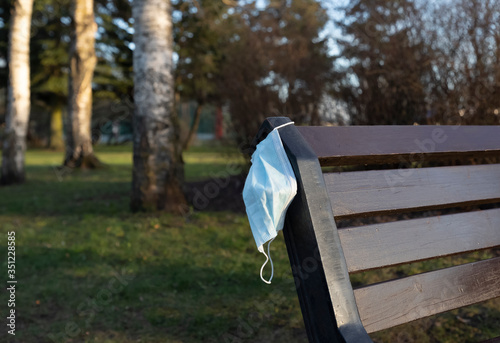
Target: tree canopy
x,y
398,61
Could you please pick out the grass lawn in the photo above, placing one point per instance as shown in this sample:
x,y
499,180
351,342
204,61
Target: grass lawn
x,y
90,271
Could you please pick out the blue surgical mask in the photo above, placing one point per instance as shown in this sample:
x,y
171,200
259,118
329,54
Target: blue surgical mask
x,y
269,189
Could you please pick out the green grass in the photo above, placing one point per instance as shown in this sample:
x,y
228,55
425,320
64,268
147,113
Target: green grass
x,y
195,277
90,271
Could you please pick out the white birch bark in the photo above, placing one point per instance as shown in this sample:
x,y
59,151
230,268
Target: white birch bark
x,y
18,108
79,151
158,169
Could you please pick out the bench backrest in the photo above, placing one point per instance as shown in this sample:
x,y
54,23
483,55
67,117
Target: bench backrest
x,y
322,256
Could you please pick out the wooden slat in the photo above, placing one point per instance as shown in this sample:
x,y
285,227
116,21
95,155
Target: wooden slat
x,y
392,191
346,145
399,301
386,244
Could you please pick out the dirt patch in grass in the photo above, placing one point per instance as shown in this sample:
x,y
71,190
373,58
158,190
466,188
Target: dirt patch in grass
x,y
217,194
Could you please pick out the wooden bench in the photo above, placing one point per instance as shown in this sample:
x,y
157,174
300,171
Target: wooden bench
x,y
322,257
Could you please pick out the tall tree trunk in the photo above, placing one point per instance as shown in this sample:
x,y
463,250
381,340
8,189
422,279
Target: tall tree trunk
x,y
158,167
315,120
18,108
79,151
194,126
56,126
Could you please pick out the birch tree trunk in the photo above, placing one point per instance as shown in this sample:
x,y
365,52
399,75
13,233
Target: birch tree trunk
x,y
79,151
18,98
158,167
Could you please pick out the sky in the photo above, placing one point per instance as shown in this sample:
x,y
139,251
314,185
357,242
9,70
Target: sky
x,y
331,30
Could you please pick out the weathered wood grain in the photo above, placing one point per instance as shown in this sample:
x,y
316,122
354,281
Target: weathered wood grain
x,y
346,145
399,301
386,244
392,191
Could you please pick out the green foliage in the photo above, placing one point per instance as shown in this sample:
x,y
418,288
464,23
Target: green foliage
x,y
200,28
50,41
5,6
113,76
49,47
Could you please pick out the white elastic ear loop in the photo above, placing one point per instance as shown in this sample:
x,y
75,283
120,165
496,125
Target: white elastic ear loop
x,y
268,258
286,124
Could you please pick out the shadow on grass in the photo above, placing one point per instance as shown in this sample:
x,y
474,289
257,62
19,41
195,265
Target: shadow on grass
x,y
90,271
78,295
88,297
51,192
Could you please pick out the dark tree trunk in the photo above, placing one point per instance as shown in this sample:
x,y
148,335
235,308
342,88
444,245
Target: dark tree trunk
x,y
315,120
